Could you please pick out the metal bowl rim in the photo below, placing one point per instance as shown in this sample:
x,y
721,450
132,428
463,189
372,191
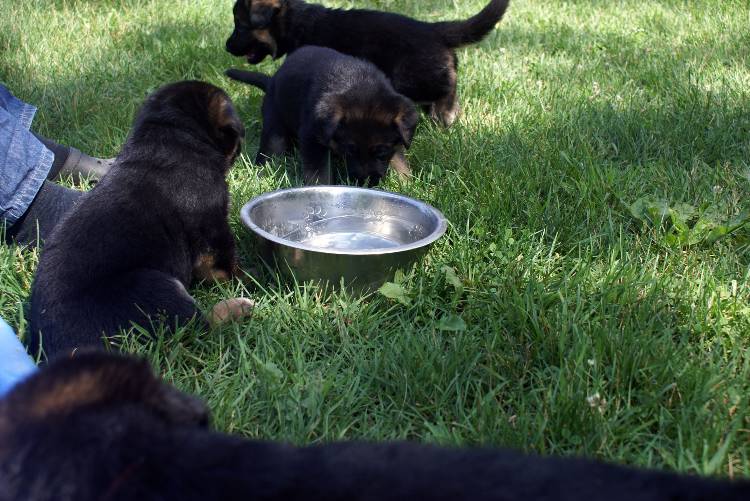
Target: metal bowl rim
x,y
442,222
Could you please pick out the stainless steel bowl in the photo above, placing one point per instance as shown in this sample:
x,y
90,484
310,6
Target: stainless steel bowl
x,y
331,233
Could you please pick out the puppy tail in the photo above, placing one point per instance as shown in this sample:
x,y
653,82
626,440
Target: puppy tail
x,y
253,78
474,29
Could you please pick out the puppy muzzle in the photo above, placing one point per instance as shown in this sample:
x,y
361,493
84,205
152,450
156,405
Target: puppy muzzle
x,y
234,47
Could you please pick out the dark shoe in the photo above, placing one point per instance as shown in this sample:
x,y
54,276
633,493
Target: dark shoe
x,y
71,162
81,166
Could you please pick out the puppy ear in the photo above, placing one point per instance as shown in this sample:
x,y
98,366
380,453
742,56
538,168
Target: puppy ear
x,y
226,125
97,380
328,115
262,12
406,121
179,408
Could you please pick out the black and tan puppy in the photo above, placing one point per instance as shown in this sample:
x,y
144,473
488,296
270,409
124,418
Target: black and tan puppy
x,y
418,57
330,102
126,253
103,427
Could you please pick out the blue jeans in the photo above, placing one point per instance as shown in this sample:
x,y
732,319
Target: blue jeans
x,y
24,161
15,364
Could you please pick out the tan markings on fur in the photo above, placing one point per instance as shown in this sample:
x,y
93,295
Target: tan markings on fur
x,y
115,384
450,64
220,111
350,112
82,390
399,118
401,165
234,153
385,117
221,114
204,268
399,122
274,4
446,109
265,36
231,309
330,108
338,114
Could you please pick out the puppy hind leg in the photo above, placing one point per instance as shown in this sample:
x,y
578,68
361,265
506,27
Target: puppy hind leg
x,y
221,265
219,261
431,82
141,297
271,144
145,296
446,109
316,167
273,138
173,302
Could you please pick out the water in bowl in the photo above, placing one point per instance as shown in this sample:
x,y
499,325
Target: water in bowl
x,y
355,232
349,241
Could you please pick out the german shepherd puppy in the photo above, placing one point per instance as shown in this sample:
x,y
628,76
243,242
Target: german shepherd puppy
x,y
126,253
102,427
330,102
418,57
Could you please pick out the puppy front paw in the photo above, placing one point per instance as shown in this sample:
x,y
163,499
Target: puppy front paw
x,y
230,310
401,166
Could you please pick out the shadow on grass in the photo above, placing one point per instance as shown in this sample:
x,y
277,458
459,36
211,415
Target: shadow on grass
x,y
571,171
636,50
93,106
563,172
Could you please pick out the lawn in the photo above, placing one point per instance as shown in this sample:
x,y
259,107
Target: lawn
x,y
588,298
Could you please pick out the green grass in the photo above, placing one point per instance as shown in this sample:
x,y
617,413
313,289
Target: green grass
x,y
572,111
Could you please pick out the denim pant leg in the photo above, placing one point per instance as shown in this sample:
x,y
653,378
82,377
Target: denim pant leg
x,y
24,161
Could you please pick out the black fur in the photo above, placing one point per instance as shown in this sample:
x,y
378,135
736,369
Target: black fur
x,y
102,427
327,101
129,249
418,57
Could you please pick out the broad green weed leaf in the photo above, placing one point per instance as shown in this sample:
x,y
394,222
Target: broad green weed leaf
x,y
395,291
270,369
452,278
683,225
399,276
451,323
